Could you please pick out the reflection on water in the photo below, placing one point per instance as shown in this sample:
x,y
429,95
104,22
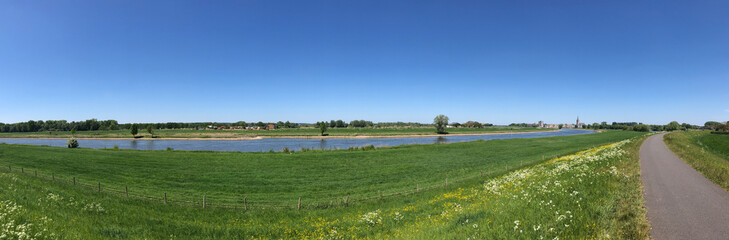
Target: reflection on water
x,y
278,144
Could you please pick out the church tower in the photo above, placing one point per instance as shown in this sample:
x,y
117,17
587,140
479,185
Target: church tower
x,y
577,125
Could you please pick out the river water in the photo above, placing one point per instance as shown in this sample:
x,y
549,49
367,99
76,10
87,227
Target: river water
x,y
278,144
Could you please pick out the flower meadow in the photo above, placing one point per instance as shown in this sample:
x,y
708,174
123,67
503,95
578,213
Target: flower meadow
x,y
571,197
577,196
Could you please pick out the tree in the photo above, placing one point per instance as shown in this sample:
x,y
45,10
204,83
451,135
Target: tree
x,y
641,128
440,122
722,127
133,129
673,126
711,124
149,130
562,125
72,143
322,126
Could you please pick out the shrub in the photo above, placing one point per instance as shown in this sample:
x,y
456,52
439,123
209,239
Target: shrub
x,y
72,143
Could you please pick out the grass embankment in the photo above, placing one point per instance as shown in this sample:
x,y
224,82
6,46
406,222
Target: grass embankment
x,y
284,132
589,195
705,152
279,179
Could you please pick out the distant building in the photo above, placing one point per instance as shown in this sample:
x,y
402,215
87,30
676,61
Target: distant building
x,y
577,124
270,127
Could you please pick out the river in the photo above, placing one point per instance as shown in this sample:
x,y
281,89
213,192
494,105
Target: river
x,y
278,144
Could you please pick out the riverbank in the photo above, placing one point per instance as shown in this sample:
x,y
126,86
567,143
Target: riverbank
x,y
232,136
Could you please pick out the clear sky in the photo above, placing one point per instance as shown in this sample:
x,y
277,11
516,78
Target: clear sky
x,y
305,61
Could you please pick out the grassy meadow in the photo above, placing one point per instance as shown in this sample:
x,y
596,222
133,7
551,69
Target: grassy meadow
x,y
283,132
589,194
705,152
321,178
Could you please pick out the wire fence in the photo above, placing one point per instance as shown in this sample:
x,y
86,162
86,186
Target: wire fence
x,y
246,203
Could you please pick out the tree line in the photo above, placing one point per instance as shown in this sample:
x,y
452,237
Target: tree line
x,y
94,124
60,125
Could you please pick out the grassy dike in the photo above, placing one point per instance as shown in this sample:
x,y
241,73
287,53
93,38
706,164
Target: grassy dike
x,y
590,194
320,178
705,152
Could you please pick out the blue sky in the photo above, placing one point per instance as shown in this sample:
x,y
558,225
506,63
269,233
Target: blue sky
x,y
305,61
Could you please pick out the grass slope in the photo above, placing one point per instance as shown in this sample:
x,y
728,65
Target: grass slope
x,y
589,195
705,152
279,179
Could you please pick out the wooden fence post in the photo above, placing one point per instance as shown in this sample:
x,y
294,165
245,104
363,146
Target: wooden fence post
x,y
245,203
299,206
126,191
481,172
99,186
446,182
346,201
74,180
379,195
165,197
203,201
22,170
36,173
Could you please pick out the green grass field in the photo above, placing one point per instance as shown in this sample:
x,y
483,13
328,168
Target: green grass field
x,y
285,132
588,195
705,152
279,179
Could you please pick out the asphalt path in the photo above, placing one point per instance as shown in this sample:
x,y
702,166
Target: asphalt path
x,y
681,203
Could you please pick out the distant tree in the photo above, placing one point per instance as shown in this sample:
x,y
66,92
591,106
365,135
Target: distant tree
x,y
260,124
641,128
290,124
133,129
149,130
472,124
72,143
455,124
560,126
322,126
440,122
673,126
361,123
722,127
73,131
340,124
711,124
